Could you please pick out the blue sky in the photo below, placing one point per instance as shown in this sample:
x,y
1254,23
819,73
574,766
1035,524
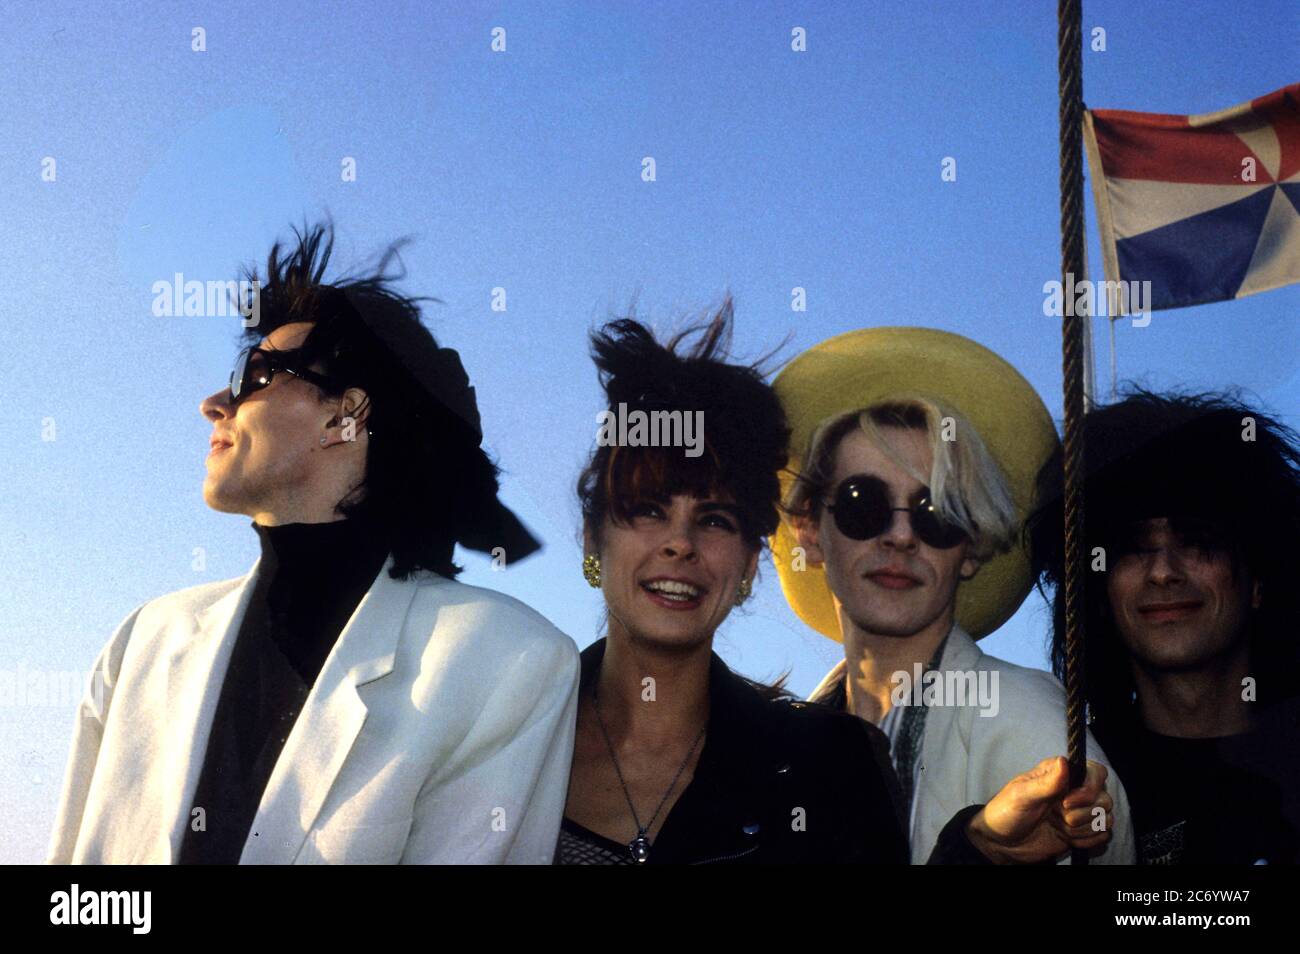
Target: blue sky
x,y
521,170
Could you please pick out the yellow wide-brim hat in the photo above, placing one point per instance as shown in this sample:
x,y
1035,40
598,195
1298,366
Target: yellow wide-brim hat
x,y
860,368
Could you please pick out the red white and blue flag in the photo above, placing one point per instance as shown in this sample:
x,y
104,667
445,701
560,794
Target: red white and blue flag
x,y
1207,207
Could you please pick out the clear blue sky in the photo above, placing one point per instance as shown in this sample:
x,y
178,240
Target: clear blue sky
x,y
521,170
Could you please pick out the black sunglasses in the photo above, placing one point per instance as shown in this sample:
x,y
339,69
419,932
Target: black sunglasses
x,y
255,369
862,511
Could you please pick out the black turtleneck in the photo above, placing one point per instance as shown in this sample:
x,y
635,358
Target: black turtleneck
x,y
309,581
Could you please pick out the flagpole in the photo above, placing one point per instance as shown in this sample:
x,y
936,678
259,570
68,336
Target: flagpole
x,y
1069,16
1089,347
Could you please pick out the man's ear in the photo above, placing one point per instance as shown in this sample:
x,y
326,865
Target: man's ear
x,y
356,405
969,565
808,534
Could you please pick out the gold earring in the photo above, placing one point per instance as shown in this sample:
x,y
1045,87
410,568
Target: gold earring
x,y
742,594
591,570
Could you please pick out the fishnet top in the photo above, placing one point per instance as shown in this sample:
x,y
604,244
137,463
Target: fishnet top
x,y
581,846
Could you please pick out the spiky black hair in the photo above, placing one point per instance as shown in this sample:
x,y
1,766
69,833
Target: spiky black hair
x,y
1205,460
428,484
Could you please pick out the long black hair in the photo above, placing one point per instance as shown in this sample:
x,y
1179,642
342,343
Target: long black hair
x,y
1208,462
428,484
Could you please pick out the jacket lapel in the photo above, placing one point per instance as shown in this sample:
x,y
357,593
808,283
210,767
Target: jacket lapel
x,y
197,659
719,816
959,653
329,723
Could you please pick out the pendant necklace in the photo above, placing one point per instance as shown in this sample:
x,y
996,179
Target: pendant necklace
x,y
639,847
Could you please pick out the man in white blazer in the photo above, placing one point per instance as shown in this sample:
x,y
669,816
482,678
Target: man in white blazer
x,y
917,451
346,701
440,730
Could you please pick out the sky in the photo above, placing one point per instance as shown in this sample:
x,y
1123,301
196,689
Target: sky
x,y
522,170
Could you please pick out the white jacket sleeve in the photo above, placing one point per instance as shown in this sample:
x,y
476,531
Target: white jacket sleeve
x,y
87,734
502,797
1015,741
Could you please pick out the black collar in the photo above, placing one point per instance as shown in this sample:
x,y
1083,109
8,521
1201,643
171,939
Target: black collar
x,y
745,745
310,580
738,712
305,548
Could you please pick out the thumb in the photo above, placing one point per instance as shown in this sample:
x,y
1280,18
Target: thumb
x,y
1046,780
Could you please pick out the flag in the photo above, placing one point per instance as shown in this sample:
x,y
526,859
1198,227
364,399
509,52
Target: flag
x,y
1206,207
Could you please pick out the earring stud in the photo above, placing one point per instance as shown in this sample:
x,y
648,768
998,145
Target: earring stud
x,y
591,570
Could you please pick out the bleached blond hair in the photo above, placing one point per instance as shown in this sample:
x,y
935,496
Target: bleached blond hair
x,y
966,483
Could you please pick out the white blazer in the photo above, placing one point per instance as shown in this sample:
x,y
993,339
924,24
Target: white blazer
x,y
967,757
440,730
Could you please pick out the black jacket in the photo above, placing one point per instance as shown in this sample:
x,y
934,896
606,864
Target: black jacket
x,y
782,782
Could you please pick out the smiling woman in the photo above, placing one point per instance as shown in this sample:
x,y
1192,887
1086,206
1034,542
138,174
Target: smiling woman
x,y
678,759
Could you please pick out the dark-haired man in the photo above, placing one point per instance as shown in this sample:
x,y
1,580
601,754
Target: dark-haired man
x,y
1193,510
345,701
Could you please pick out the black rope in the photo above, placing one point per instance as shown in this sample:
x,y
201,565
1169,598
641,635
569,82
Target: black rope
x,y
1070,69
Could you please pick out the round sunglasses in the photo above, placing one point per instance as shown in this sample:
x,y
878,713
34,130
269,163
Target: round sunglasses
x,y
862,510
256,368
